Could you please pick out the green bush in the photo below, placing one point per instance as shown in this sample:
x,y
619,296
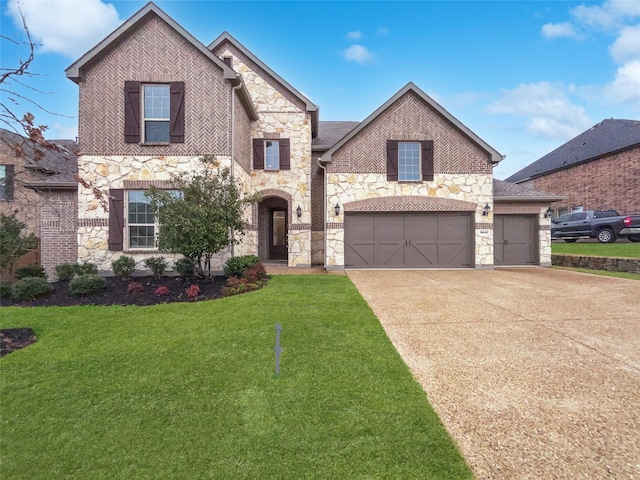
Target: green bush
x,y
66,271
184,267
29,288
236,266
33,270
5,290
89,268
123,267
87,283
157,265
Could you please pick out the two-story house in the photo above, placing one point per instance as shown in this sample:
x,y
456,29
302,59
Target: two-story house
x,y
410,186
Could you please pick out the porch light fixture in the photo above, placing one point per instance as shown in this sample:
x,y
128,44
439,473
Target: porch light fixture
x,y
548,213
337,208
299,211
486,210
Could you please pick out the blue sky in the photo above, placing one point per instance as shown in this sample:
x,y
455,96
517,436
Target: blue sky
x,y
525,76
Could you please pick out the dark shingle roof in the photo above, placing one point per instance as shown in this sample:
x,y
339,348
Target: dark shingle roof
x,y
507,191
329,133
604,138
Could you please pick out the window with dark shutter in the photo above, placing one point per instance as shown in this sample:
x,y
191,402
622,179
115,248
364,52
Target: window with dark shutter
x,y
392,160
176,129
116,219
132,112
258,154
427,160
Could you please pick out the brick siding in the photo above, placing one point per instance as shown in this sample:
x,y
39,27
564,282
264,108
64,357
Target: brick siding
x,y
59,221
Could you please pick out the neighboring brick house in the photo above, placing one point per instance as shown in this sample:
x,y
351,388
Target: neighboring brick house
x,y
598,169
31,179
321,183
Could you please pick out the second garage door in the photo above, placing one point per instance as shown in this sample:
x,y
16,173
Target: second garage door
x,y
407,240
514,240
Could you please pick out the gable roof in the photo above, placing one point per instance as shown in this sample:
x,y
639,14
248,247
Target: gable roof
x,y
74,71
511,192
411,87
63,161
605,138
311,107
329,133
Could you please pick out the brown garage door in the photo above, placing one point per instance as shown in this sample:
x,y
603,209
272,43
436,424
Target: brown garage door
x,y
514,240
407,240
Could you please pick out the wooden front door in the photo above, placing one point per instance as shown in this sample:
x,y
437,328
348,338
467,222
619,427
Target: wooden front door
x,y
277,234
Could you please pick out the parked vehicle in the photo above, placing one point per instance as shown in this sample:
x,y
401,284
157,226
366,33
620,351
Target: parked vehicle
x,y
605,225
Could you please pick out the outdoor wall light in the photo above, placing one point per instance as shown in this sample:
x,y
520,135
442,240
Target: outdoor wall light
x,y
486,210
548,213
299,211
337,208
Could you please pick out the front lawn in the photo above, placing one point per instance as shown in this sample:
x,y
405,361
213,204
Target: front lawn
x,y
189,391
597,249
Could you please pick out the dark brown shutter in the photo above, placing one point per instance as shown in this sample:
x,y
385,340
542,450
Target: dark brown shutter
x,y
285,154
258,154
427,160
392,160
176,108
8,182
132,112
116,219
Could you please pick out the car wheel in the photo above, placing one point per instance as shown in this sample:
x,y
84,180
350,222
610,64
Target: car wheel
x,y
571,240
634,238
606,236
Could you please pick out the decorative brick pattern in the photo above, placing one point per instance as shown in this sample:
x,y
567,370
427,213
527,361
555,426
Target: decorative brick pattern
x,y
484,226
409,204
154,53
409,118
59,229
145,184
506,208
609,182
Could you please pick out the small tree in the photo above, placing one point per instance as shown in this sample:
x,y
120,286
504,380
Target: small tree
x,y
205,217
13,244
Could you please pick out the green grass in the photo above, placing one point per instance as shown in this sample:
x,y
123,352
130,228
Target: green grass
x,y
604,273
593,249
189,391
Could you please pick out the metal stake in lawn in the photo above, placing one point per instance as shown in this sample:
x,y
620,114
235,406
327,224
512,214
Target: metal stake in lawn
x,y
278,347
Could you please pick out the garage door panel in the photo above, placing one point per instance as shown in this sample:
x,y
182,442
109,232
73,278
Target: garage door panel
x,y
361,255
389,255
423,254
514,240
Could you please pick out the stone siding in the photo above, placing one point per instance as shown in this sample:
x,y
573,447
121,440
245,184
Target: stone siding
x,y
597,263
609,182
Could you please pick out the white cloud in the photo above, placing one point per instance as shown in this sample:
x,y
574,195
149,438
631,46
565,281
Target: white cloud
x,y
627,46
62,132
354,35
557,30
625,88
359,54
68,27
610,15
549,111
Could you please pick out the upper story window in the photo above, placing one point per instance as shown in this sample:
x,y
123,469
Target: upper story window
x,y
6,182
271,154
154,113
409,161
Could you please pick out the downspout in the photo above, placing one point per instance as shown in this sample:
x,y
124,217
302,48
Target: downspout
x,y
233,130
325,213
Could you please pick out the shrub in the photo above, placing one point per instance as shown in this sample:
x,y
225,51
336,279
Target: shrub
x,y
162,290
157,265
184,267
135,287
86,284
33,270
89,268
193,291
5,290
66,271
29,288
256,273
123,266
247,283
236,266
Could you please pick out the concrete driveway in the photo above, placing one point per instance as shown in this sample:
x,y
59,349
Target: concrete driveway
x,y
535,372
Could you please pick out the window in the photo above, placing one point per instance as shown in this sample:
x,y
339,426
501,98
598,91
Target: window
x,y
154,112
141,226
271,154
6,182
408,161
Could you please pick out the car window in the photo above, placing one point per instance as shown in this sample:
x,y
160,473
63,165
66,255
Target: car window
x,y
563,218
604,213
578,216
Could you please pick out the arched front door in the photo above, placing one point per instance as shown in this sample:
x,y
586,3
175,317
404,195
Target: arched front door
x,y
273,219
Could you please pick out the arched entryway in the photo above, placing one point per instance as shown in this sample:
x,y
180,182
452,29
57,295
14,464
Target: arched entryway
x,y
273,223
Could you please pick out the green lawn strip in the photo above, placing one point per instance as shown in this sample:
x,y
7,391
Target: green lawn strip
x,y
605,273
189,391
592,249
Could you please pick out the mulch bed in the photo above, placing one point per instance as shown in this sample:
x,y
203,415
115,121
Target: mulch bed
x,y
14,338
